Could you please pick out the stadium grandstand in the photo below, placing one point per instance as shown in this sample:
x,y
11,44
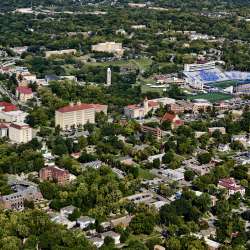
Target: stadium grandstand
x,y
197,75
242,87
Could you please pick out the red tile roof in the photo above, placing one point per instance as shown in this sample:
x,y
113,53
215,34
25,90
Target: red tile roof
x,y
3,125
24,90
81,106
153,104
7,107
168,117
230,184
19,126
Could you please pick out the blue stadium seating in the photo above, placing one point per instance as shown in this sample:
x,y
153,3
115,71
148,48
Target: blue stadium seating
x,y
208,76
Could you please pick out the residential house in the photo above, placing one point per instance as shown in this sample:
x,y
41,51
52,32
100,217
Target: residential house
x,y
66,211
231,186
121,221
98,242
154,157
93,164
84,221
62,220
220,129
115,236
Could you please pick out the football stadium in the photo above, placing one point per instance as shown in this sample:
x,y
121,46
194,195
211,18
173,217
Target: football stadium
x,y
200,75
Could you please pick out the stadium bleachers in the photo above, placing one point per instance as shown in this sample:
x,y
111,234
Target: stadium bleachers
x,y
237,75
199,75
206,76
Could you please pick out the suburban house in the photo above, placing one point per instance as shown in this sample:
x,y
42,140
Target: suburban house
x,y
231,186
115,236
84,221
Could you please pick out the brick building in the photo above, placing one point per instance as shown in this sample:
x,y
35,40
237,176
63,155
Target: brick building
x,y
54,173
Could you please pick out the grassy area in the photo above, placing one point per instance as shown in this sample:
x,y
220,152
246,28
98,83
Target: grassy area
x,y
142,63
146,88
212,97
145,174
224,84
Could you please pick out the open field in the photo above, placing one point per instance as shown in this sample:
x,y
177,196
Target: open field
x,y
212,97
224,84
142,64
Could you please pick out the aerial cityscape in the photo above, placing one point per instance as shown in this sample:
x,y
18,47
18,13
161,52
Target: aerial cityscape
x,y
124,125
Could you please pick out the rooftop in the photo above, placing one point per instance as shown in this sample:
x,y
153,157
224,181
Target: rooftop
x,y
24,90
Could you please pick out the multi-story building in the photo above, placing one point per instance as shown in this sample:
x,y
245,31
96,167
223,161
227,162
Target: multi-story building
x,y
60,52
54,173
173,119
22,191
156,132
242,88
74,115
109,47
20,133
4,128
139,111
24,93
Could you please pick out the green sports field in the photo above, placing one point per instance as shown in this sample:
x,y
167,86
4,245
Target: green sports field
x,y
212,97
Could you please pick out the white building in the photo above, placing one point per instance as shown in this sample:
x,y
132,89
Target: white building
x,y
20,133
74,115
13,116
109,77
155,157
115,236
60,52
173,175
139,111
109,47
98,242
85,221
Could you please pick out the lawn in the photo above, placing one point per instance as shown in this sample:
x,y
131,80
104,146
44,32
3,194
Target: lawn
x,y
212,97
225,84
145,174
142,63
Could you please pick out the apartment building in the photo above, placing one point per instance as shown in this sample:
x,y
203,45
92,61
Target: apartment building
x,y
20,133
77,114
54,173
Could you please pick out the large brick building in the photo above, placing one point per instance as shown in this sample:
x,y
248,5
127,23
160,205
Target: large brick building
x,y
54,173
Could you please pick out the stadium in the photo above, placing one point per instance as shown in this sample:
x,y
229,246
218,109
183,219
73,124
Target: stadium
x,y
200,75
